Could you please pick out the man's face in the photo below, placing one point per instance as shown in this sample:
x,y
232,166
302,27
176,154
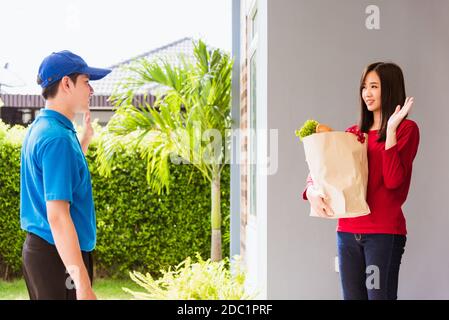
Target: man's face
x,y
81,93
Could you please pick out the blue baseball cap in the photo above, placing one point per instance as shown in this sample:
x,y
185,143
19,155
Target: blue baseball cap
x,y
63,63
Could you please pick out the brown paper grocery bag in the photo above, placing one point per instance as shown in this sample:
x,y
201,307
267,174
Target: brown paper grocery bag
x,y
338,165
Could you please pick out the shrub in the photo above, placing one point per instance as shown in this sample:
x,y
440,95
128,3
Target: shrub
x,y
11,236
202,280
136,228
139,228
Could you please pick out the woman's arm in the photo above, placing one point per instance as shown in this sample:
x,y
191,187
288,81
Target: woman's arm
x,y
308,184
395,120
397,158
401,147
317,200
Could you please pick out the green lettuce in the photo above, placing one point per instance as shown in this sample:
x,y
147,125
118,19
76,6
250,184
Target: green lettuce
x,y
308,128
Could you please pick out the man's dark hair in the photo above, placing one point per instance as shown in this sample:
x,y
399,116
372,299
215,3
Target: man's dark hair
x,y
52,90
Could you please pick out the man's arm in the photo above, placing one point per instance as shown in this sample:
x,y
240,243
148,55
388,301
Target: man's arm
x,y
87,134
67,244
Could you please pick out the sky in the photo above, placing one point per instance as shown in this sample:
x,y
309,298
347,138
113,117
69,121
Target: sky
x,y
102,32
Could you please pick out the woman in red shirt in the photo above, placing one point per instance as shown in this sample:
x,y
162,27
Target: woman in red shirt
x,y
370,247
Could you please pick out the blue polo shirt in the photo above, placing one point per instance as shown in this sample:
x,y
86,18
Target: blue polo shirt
x,y
53,167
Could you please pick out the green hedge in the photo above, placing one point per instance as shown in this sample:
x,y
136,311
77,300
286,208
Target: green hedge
x,y
136,228
11,236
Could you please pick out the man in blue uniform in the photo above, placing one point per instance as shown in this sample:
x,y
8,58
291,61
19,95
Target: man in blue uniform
x,y
56,203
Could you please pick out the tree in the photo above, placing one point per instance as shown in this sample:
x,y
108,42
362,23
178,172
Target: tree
x,y
188,123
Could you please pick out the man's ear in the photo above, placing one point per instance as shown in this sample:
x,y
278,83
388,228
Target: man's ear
x,y
64,85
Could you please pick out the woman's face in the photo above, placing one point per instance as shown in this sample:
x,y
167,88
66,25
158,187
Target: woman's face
x,y
371,91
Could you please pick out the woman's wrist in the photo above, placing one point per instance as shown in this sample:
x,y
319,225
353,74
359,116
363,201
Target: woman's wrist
x,y
391,131
391,138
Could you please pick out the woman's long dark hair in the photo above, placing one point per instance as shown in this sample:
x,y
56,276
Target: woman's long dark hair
x,y
392,94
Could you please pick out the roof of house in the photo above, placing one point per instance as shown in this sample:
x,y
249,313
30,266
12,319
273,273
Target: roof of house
x,y
170,52
35,101
22,100
104,87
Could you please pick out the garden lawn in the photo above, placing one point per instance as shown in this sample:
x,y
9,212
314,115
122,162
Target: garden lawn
x,y
105,289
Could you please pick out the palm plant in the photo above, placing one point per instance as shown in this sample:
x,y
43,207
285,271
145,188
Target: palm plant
x,y
189,122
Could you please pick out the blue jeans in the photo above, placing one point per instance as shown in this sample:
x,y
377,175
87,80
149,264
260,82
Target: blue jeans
x,y
369,265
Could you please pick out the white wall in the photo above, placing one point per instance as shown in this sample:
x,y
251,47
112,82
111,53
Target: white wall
x,y
316,51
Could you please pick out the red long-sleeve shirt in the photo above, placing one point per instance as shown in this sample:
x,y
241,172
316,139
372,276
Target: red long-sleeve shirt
x,y
389,176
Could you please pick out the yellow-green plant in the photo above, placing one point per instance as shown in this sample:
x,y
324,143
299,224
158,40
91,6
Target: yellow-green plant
x,y
13,134
201,280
